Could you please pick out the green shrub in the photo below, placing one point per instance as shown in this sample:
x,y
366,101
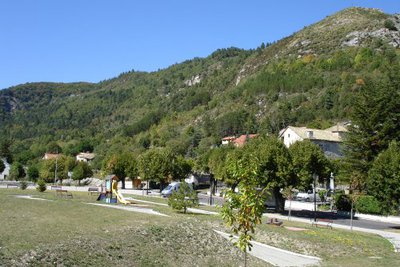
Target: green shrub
x,y
389,24
342,202
23,185
184,198
322,194
368,204
41,186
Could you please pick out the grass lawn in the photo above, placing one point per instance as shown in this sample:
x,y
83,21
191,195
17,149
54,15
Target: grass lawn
x,y
336,247
68,232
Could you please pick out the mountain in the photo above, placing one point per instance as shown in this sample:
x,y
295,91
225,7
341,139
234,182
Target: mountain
x,y
306,79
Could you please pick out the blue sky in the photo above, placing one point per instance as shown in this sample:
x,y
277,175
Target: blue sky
x,y
93,40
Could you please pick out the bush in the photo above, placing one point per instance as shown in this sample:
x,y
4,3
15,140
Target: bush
x,y
389,24
342,202
368,204
23,185
322,194
41,186
184,198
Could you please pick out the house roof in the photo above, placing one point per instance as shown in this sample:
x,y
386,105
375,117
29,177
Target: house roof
x,y
241,140
51,156
340,127
228,138
88,156
325,135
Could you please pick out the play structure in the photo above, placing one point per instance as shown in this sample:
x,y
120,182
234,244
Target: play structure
x,y
110,194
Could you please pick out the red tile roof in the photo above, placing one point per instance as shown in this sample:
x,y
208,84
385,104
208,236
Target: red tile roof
x,y
241,140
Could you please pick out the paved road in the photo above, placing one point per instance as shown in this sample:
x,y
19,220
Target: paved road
x,y
345,220
394,238
205,199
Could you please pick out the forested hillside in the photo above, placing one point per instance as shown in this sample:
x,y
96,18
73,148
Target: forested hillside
x,y
308,78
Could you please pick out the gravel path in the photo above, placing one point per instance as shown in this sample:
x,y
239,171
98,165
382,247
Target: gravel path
x,y
130,208
199,211
31,197
277,256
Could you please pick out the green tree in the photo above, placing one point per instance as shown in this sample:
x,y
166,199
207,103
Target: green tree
x,y
288,193
122,165
5,151
82,170
41,186
161,165
181,167
308,159
2,166
185,197
17,171
48,172
53,147
33,173
275,171
384,179
375,123
243,211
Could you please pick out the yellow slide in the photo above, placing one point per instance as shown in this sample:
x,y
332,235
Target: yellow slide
x,y
120,197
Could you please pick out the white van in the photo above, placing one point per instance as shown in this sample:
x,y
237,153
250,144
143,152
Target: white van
x,y
172,187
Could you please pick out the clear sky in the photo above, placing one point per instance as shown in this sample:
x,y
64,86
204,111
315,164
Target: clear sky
x,y
93,40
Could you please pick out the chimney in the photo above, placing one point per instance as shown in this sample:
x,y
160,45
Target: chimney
x,y
309,134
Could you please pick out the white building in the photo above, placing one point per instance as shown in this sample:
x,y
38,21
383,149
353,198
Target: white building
x,y
329,140
6,172
85,157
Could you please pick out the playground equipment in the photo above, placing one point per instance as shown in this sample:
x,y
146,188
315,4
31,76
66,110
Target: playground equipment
x,y
111,193
119,196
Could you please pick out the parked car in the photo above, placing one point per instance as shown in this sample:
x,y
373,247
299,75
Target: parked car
x,y
171,188
309,196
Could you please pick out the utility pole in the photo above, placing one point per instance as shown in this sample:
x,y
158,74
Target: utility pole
x,y
55,171
212,180
315,196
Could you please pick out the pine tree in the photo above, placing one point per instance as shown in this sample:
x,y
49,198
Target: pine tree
x,y
384,179
375,123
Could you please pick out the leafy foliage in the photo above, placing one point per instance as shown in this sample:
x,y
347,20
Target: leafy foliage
x,y
243,211
375,123
122,165
185,197
2,166
41,186
308,159
368,204
48,172
23,185
33,173
82,170
342,202
384,179
17,171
